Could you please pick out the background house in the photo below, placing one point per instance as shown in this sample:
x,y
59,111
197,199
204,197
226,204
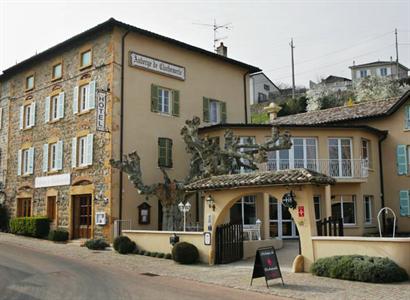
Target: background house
x,y
263,89
390,68
334,83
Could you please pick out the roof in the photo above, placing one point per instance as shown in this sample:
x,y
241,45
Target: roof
x,y
108,25
264,75
360,111
270,178
378,63
332,78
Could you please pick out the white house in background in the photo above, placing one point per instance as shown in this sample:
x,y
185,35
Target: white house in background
x,y
380,69
263,89
334,83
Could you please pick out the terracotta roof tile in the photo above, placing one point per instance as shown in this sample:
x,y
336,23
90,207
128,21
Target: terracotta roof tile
x,y
283,177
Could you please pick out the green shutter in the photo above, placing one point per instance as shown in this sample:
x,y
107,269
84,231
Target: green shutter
x,y
169,153
161,152
154,98
407,121
205,109
175,103
404,203
401,159
223,111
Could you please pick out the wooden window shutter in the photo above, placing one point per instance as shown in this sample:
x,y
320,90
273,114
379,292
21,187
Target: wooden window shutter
x,y
404,203
154,98
59,155
223,111
161,152
91,95
205,103
401,158
169,162
60,109
47,110
19,153
175,103
45,157
75,100
74,152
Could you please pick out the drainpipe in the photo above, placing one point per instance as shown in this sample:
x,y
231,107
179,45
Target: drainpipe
x,y
381,139
122,123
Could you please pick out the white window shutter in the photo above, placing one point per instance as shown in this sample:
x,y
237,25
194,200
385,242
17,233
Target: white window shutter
x,y
75,100
33,114
74,152
388,71
1,117
31,160
358,74
21,116
45,157
47,110
60,111
59,155
91,95
19,153
89,152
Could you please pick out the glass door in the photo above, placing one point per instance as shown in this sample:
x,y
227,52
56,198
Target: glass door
x,y
281,222
340,157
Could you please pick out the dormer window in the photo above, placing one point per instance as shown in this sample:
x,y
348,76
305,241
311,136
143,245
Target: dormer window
x,y
85,59
29,82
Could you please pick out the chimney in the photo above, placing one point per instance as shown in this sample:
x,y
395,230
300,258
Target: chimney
x,y
272,110
222,50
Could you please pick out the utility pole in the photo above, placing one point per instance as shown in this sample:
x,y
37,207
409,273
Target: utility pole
x,y
293,68
397,53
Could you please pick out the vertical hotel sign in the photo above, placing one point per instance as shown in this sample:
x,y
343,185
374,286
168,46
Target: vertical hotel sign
x,y
156,65
101,107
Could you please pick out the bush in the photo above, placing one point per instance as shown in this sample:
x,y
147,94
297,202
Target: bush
x,y
38,227
168,256
96,244
185,253
142,252
4,218
119,240
359,268
154,254
160,255
147,253
127,247
58,235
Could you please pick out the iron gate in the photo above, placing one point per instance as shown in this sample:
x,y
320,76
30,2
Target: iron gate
x,y
229,243
330,227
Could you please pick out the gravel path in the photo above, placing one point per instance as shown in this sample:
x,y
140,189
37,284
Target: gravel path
x,y
236,275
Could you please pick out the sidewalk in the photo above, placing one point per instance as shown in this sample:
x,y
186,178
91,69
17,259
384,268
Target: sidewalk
x,y
236,275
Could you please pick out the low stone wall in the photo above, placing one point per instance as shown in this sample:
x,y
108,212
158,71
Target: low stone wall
x,y
158,241
397,249
249,247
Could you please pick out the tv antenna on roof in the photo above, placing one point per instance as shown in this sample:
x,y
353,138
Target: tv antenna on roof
x,y
215,28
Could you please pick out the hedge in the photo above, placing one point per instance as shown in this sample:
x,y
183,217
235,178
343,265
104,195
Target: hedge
x,y
185,253
58,235
359,268
4,218
38,227
124,245
96,244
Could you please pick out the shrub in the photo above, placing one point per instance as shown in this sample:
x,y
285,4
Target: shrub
x,y
119,240
142,252
96,244
127,247
359,268
153,254
136,251
58,235
185,253
160,255
147,253
38,227
4,218
168,256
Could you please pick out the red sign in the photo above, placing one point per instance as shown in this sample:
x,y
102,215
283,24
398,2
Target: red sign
x,y
301,211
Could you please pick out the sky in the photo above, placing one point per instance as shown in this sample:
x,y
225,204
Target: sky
x,y
328,35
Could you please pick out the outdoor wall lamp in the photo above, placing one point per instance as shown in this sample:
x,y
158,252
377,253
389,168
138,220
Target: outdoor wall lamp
x,y
211,202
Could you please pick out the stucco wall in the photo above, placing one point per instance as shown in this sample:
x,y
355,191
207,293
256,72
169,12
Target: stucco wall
x,y
158,241
397,249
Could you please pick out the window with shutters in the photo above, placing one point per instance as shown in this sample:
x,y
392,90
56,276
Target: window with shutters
x,y
85,59
402,159
24,207
82,151
27,115
26,161
54,107
29,82
165,152
57,71
407,117
164,100
82,148
53,156
84,97
84,94
214,111
404,203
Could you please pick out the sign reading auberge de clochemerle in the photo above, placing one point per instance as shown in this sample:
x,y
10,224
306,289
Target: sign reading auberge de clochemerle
x,y
156,65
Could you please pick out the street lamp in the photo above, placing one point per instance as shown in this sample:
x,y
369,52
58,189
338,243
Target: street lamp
x,y
184,208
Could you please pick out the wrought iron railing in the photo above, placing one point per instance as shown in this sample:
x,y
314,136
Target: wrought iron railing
x,y
338,168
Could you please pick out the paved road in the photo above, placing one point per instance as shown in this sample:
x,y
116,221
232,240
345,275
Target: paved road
x,y
29,274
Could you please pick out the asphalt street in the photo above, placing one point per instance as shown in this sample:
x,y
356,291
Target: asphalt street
x,y
30,274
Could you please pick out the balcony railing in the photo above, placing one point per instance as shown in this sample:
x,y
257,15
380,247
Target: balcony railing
x,y
337,168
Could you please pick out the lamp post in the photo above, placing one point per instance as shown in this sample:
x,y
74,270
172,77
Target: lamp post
x,y
184,208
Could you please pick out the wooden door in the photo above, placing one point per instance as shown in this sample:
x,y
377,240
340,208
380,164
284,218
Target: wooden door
x,y
82,214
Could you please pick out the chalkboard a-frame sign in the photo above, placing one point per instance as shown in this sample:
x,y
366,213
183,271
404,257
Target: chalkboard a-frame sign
x,y
266,265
